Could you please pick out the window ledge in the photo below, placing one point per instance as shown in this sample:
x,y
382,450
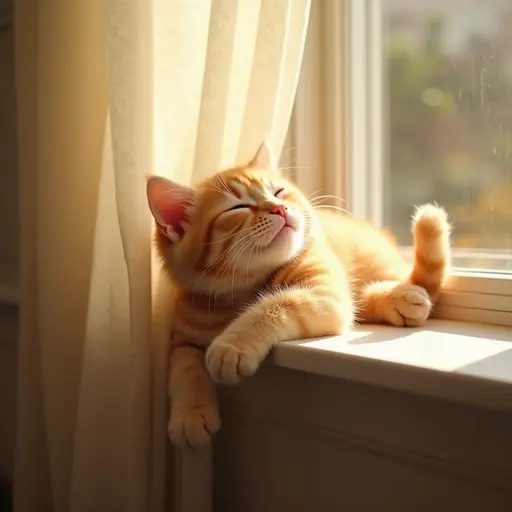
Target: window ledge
x,y
458,361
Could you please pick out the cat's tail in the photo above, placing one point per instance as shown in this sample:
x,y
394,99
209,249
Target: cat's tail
x,y
431,233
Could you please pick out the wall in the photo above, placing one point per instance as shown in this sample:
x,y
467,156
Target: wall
x,y
296,441
9,251
8,361
9,243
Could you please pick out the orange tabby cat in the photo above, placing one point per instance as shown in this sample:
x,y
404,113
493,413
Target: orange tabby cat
x,y
254,264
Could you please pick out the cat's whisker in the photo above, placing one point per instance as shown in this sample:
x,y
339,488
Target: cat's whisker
x,y
235,265
338,208
288,150
209,302
247,266
230,236
254,249
222,181
285,167
216,190
327,196
223,189
234,258
227,253
212,264
224,184
287,155
309,197
226,266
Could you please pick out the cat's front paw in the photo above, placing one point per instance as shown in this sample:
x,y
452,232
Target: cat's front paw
x,y
193,426
410,305
229,363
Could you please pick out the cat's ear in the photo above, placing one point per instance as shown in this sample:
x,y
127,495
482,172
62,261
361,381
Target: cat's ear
x,y
264,157
169,202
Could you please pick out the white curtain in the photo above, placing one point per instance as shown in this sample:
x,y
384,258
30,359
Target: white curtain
x,y
189,86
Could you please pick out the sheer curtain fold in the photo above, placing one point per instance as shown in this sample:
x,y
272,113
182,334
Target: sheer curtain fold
x,y
176,87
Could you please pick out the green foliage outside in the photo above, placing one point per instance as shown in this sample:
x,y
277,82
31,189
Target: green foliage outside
x,y
450,132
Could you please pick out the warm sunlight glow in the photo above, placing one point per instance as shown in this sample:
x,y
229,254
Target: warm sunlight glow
x,y
428,347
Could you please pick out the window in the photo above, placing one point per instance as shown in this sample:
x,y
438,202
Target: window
x,y
448,80
402,102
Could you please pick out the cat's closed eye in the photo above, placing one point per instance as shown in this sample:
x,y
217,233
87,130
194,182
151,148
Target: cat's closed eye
x,y
238,207
281,190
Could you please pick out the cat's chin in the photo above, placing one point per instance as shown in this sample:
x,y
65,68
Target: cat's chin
x,y
287,243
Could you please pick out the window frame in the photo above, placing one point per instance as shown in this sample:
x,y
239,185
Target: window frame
x,y
336,130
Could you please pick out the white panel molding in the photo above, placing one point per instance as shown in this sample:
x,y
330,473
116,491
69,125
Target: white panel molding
x,y
303,425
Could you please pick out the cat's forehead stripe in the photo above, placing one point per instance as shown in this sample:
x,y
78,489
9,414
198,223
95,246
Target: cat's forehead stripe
x,y
246,180
247,187
236,190
256,191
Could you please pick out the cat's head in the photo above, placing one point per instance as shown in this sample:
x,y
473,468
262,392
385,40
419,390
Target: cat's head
x,y
233,229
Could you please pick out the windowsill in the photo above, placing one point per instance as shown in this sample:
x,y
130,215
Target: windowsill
x,y
460,361
463,362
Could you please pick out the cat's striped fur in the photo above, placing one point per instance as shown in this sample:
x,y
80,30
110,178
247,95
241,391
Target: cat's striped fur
x,y
254,263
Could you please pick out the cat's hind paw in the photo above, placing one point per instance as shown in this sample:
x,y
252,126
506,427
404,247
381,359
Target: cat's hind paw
x,y
229,363
193,426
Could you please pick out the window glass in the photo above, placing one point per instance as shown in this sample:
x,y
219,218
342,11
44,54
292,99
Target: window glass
x,y
448,121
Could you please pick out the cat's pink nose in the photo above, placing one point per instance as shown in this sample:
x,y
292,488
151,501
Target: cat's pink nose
x,y
278,210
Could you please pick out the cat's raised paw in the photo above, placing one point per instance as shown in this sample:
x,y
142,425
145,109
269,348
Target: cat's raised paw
x,y
410,305
228,363
193,426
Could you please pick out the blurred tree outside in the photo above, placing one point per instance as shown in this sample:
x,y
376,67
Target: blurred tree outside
x,y
449,126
